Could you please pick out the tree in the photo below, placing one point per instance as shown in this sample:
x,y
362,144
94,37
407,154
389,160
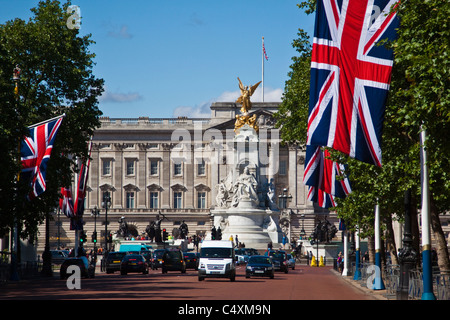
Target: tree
x,y
294,105
419,96
56,78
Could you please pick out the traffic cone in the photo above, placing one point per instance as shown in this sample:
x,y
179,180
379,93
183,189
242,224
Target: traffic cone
x,y
313,262
321,262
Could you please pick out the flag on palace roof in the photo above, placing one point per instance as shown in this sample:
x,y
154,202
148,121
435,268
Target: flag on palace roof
x,y
350,76
264,50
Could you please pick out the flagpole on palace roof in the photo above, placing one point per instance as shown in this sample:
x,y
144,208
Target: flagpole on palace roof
x,y
262,69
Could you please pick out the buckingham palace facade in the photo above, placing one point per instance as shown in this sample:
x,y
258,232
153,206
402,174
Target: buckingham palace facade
x,y
150,166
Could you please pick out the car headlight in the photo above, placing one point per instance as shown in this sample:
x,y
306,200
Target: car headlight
x,y
249,268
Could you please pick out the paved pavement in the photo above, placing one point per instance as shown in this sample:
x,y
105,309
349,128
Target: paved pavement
x,y
303,283
375,294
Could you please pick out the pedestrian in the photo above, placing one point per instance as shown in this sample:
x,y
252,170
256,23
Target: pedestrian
x,y
340,262
366,256
310,255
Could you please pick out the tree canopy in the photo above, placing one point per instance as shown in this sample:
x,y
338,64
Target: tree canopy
x,y
56,77
418,99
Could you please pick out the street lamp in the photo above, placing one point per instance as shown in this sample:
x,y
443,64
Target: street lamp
x,y
283,199
106,204
14,231
302,232
95,212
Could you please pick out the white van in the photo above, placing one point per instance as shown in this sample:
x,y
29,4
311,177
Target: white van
x,y
217,260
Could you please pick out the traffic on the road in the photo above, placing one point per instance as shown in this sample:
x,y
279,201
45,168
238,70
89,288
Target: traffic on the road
x,y
171,274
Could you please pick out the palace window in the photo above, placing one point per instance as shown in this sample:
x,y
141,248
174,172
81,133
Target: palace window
x,y
106,167
130,167
177,200
154,200
177,169
201,168
283,168
130,200
153,167
201,200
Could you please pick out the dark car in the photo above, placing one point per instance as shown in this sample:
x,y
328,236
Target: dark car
x,y
259,266
87,270
157,258
133,263
280,260
173,261
191,260
113,261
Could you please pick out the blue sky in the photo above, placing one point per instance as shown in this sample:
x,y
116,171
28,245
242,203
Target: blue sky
x,y
168,58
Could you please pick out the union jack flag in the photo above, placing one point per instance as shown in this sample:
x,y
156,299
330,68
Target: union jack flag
x,y
82,182
350,76
264,51
321,198
35,153
66,202
326,178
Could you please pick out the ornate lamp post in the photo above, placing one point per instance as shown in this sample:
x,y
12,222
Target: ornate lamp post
x,y
95,213
302,232
283,199
408,255
14,232
106,204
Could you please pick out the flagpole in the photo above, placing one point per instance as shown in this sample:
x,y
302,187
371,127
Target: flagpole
x,y
426,238
357,275
262,69
46,121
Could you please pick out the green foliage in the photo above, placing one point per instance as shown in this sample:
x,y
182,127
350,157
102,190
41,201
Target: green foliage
x,y
419,96
56,78
296,94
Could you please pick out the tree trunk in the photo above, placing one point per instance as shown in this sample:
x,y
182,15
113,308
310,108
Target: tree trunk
x,y
390,239
439,238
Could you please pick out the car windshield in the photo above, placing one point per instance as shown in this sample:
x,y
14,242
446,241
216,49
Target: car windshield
x,y
173,254
216,253
116,255
277,255
158,253
133,257
259,260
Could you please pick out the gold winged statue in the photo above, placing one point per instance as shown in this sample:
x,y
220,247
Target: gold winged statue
x,y
244,99
246,93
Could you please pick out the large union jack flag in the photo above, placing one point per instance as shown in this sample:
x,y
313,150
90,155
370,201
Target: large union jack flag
x,y
35,151
350,76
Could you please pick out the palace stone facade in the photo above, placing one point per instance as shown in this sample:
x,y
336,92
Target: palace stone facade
x,y
174,166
